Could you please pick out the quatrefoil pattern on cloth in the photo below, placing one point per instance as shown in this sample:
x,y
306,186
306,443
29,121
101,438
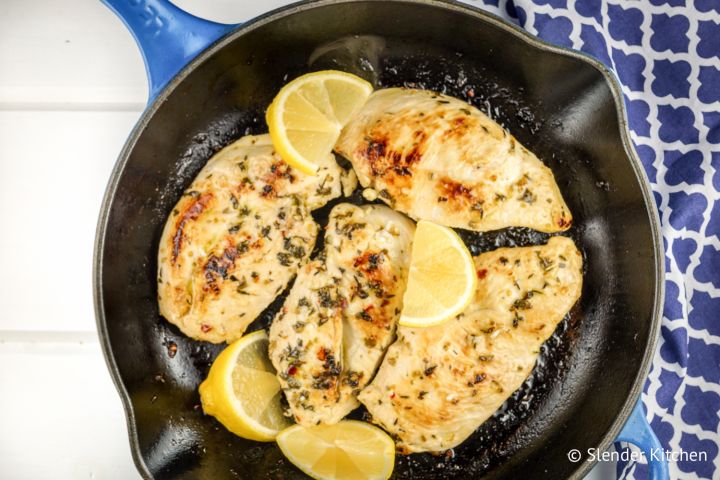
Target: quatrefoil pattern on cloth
x,y
666,55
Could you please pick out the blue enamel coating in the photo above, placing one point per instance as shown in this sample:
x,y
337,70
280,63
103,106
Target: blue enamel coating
x,y
168,37
638,431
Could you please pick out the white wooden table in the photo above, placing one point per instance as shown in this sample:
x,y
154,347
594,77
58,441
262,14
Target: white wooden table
x,y
72,84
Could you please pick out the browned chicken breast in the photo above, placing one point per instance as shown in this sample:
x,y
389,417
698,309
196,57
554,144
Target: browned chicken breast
x,y
436,385
237,237
438,158
340,316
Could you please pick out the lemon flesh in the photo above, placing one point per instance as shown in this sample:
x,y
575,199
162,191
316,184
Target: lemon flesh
x,y
442,279
348,450
307,115
242,392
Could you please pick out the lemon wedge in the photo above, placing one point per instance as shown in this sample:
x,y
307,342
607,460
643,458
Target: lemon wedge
x,y
348,450
242,392
307,115
442,279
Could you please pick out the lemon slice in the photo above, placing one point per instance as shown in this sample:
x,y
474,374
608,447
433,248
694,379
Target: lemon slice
x,y
307,115
348,450
442,279
242,392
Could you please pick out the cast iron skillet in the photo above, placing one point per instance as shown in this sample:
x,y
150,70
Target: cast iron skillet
x,y
564,106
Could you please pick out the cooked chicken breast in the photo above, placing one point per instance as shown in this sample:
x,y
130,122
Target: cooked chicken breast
x,y
327,341
438,158
237,237
436,385
370,249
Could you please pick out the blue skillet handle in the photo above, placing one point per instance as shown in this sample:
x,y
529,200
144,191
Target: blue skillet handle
x,y
638,431
168,37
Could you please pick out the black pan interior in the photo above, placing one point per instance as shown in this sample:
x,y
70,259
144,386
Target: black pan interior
x,y
559,106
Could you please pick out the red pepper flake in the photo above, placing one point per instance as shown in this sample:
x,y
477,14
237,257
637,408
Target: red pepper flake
x,y
392,395
172,349
205,328
470,93
369,307
292,370
385,303
482,273
321,354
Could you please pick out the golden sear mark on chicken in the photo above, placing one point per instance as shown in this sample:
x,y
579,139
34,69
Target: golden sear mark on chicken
x,y
237,236
436,385
340,316
438,158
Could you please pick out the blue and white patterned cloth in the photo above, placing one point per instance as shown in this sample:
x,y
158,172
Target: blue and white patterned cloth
x,y
666,54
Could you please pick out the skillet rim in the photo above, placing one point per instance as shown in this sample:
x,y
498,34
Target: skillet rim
x,y
531,42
